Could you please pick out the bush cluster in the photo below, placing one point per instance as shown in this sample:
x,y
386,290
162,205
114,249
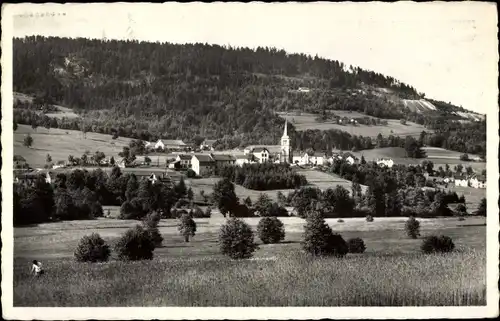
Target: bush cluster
x,y
236,239
356,245
319,240
437,244
271,230
412,227
92,248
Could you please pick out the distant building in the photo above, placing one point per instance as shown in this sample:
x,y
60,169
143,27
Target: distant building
x,y
315,158
387,162
350,160
223,159
461,181
478,181
202,164
184,160
208,144
171,144
261,154
243,159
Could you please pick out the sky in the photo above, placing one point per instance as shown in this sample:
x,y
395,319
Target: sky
x,y
446,50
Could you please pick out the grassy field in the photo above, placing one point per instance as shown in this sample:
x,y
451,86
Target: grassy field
x,y
195,274
61,143
207,185
308,121
438,156
473,196
327,180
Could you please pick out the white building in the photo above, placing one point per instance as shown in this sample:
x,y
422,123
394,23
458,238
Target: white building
x,y
261,154
208,144
461,181
350,160
243,159
387,162
478,181
184,160
313,159
202,164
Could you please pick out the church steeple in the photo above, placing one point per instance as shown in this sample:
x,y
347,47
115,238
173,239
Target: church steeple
x,y
285,133
285,156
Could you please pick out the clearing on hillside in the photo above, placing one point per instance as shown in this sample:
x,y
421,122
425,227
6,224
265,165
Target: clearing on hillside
x,y
61,111
306,121
60,143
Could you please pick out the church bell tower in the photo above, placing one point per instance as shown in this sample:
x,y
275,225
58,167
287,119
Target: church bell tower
x,y
286,150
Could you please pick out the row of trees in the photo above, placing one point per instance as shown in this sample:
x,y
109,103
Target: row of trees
x,y
263,176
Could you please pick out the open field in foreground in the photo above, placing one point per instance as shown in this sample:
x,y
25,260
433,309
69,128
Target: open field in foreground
x,y
195,274
61,143
308,121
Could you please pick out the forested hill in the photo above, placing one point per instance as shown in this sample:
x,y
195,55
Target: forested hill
x,y
189,90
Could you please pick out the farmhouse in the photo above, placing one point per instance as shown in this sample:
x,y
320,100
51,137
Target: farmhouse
x,y
171,144
461,181
315,158
184,160
261,154
223,159
208,144
478,181
243,159
387,162
202,164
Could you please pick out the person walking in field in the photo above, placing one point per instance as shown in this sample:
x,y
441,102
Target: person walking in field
x,y
36,268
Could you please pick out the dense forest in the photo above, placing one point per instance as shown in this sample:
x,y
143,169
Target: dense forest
x,y
150,90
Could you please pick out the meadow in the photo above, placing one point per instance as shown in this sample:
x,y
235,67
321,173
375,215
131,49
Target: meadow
x,y
60,143
195,274
60,113
438,156
306,121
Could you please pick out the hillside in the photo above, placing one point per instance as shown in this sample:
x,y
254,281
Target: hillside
x,y
195,91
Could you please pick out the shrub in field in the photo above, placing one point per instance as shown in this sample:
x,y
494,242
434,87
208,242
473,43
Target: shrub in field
x,y
92,248
437,244
412,227
187,226
150,223
340,220
319,239
136,244
271,230
369,218
356,245
151,220
236,239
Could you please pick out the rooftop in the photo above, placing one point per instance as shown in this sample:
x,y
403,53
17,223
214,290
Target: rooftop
x,y
223,157
204,158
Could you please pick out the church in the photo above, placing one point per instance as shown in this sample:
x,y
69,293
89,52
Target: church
x,y
273,153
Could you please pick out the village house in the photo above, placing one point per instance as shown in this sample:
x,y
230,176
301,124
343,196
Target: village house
x,y
461,181
208,144
243,159
202,164
478,181
261,154
184,160
315,158
387,162
350,160
171,144
223,159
